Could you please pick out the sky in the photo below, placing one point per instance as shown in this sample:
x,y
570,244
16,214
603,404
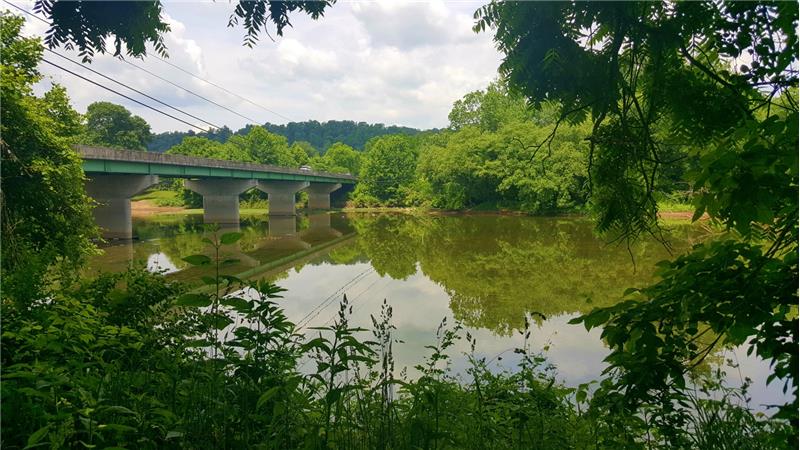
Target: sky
x,y
393,62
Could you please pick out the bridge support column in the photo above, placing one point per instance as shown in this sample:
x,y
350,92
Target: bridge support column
x,y
220,198
113,194
282,195
282,226
319,195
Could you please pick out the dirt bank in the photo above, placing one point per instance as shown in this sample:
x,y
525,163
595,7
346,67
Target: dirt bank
x,y
144,208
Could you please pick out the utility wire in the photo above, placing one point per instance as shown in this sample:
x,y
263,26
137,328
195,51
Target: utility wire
x,y
123,95
131,88
221,88
254,121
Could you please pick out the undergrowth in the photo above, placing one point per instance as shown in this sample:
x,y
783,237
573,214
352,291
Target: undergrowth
x,y
132,360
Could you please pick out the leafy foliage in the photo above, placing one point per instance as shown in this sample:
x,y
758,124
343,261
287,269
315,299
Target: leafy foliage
x,y
46,215
112,125
319,135
387,169
651,75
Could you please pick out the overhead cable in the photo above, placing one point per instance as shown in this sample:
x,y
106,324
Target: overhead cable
x,y
133,89
253,121
221,87
125,96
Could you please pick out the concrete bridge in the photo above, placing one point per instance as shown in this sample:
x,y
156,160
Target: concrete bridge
x,y
114,176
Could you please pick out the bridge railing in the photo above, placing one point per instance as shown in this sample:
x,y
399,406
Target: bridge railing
x,y
110,154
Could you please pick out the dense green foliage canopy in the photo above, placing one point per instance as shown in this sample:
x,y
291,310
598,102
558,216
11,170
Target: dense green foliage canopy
x,y
112,125
320,135
258,146
46,215
723,76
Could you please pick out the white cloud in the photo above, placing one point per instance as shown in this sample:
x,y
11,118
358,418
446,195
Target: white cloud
x,y
396,63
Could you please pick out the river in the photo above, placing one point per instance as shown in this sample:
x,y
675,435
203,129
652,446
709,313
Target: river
x,y
488,272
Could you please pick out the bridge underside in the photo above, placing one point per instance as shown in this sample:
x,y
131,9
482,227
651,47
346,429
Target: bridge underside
x,y
114,176
113,193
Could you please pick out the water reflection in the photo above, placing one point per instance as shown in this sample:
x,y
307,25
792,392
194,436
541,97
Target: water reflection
x,y
489,272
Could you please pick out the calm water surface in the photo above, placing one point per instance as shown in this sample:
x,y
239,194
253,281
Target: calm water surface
x,y
488,272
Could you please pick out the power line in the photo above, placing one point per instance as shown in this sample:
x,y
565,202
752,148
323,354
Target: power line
x,y
221,88
125,96
253,121
131,88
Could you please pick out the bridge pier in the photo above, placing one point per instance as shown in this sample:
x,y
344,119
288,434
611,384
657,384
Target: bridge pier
x,y
113,194
282,195
220,198
319,195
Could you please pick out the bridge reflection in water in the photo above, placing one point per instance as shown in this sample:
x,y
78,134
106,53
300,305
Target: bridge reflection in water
x,y
269,243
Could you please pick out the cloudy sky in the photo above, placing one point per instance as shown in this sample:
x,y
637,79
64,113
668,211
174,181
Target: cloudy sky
x,y
391,62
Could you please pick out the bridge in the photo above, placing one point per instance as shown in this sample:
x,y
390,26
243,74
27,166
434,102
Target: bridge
x,y
114,176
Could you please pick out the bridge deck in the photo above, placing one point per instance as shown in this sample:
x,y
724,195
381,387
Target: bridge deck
x,y
108,160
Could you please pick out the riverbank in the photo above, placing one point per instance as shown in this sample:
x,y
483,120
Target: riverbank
x,y
149,207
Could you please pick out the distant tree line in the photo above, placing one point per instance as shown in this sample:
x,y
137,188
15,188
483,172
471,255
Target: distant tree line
x,y
320,135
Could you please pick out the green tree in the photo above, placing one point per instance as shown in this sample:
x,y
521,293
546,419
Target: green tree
x,y
299,153
263,147
206,148
632,66
46,215
489,109
340,158
387,170
112,125
309,149
68,123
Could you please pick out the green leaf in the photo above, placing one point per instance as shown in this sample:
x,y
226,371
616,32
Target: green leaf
x,y
267,395
220,321
198,343
230,238
120,410
37,436
208,280
239,304
198,260
173,435
193,300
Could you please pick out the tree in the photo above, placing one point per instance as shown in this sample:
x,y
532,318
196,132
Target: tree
x,y
342,158
488,109
46,215
632,67
68,123
387,170
309,149
206,148
263,147
108,124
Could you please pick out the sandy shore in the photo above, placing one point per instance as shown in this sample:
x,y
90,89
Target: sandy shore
x,y
144,208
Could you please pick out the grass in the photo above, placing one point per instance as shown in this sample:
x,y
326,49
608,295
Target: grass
x,y
161,197
671,206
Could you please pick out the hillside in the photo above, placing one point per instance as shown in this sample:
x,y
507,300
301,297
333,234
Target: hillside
x,y
320,134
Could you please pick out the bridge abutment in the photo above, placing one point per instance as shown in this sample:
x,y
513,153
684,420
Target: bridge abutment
x,y
282,195
319,195
113,194
220,198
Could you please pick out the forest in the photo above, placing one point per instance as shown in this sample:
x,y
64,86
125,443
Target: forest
x,y
319,135
609,109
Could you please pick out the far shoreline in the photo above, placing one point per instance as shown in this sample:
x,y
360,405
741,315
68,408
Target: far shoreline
x,y
146,208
